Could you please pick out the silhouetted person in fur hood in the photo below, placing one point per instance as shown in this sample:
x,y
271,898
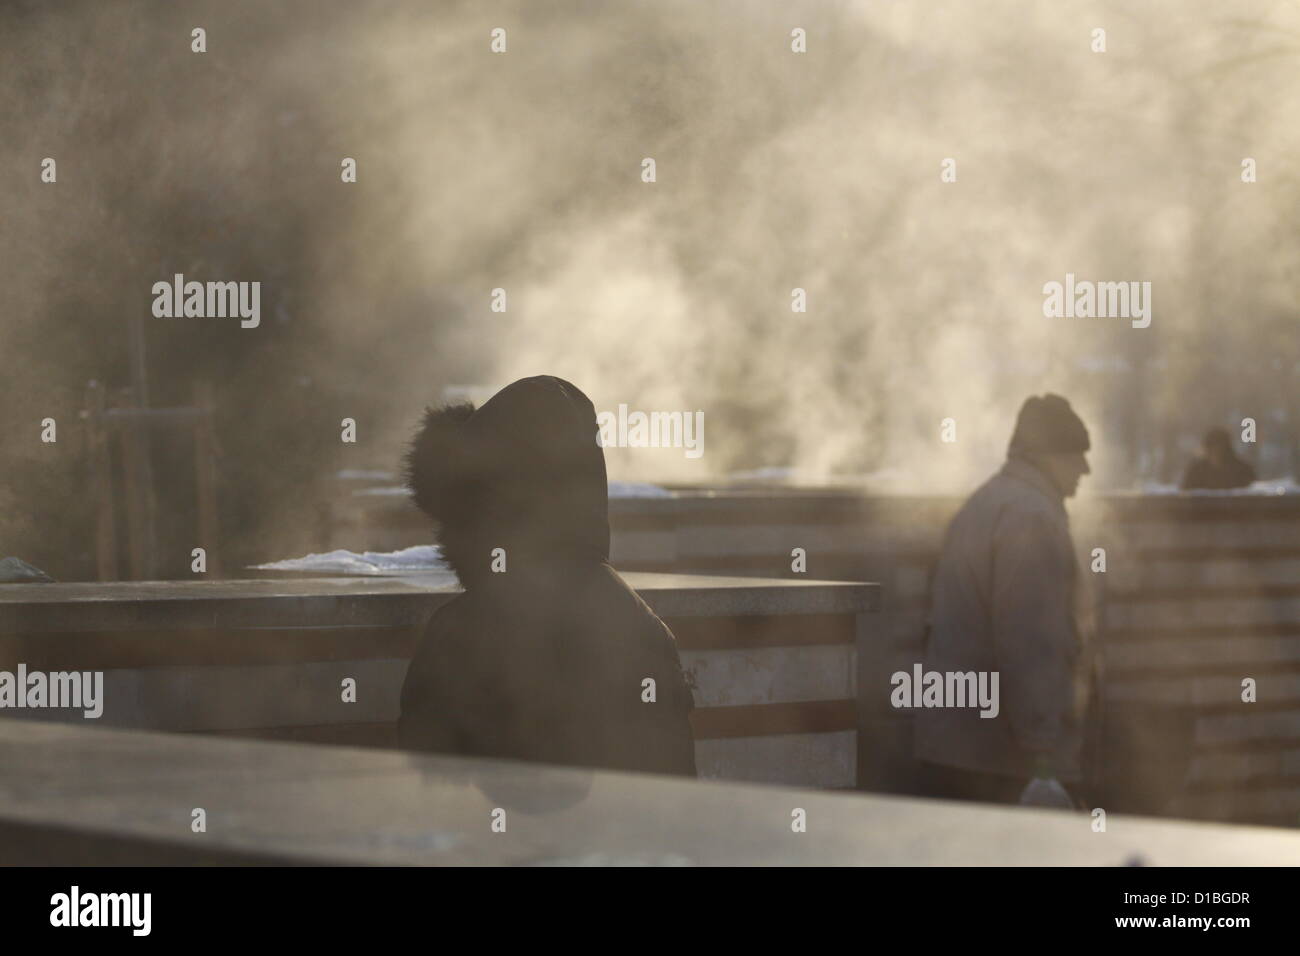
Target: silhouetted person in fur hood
x,y
546,654
1218,466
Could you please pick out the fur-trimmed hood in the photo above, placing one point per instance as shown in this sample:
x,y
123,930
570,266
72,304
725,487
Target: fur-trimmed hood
x,y
524,472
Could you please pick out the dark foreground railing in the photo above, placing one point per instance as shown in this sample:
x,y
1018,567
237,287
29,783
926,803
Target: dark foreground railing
x,y
74,796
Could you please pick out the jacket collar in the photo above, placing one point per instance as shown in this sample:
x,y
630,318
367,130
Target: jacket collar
x,y
1019,469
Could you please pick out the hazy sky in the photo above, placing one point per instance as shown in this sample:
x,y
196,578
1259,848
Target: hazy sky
x,y
775,170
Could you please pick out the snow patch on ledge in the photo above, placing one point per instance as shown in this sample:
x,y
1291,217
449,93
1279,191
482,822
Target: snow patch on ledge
x,y
1277,486
637,489
421,557
617,489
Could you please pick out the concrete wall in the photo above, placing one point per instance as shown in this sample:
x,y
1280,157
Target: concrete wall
x,y
772,664
1200,592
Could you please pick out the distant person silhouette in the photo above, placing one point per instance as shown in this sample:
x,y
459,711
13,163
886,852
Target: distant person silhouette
x,y
546,655
1217,467
1003,600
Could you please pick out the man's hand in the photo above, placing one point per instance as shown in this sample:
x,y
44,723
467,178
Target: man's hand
x,y
1046,792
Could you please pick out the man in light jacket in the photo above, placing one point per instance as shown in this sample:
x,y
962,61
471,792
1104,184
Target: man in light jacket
x,y
1004,599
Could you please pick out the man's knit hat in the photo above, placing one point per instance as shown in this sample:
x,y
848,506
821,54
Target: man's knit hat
x,y
1047,423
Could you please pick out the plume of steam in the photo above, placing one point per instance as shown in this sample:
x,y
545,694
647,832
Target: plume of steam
x,y
775,170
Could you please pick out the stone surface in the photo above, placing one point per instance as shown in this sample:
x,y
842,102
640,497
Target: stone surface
x,y
325,601
78,796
